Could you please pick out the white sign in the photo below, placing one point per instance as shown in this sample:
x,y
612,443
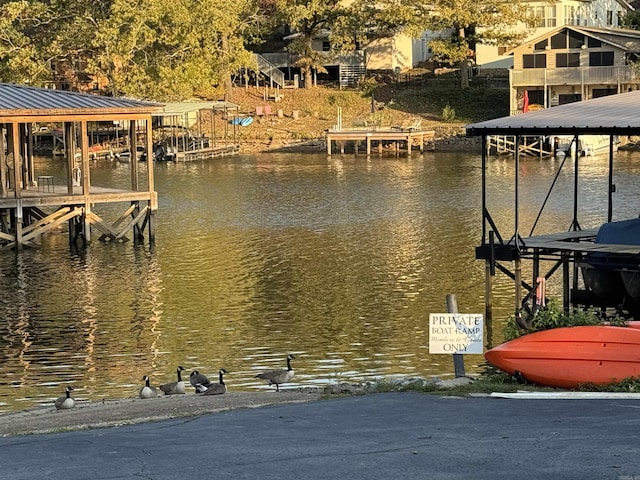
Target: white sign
x,y
456,333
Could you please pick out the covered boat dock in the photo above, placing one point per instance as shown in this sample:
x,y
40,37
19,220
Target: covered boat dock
x,y
569,252
32,204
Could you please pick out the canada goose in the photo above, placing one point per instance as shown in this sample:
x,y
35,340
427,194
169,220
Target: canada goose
x,y
198,379
148,391
278,376
217,388
65,401
174,388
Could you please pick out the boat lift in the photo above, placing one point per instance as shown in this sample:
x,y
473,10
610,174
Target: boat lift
x,y
565,251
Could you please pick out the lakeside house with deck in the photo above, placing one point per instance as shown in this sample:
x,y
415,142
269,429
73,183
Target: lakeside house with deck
x,y
569,64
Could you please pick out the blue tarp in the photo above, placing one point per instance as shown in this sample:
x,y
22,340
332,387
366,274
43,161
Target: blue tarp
x,y
625,232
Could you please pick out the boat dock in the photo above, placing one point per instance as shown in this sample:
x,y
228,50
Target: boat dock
x,y
528,145
391,140
206,153
596,267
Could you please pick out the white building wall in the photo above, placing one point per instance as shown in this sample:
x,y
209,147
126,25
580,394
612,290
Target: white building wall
x,y
389,53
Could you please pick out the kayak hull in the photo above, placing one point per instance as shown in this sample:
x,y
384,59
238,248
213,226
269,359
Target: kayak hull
x,y
572,356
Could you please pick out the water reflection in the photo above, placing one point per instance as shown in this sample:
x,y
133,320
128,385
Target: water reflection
x,y
337,261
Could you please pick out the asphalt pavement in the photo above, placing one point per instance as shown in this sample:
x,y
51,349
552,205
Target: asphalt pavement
x,y
372,437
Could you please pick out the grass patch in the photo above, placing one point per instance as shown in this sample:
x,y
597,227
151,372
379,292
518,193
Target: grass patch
x,y
500,382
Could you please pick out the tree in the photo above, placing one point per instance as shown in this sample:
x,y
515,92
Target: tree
x,y
41,41
631,20
146,48
309,20
472,22
173,50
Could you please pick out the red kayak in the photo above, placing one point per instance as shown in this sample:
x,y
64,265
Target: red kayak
x,y
572,356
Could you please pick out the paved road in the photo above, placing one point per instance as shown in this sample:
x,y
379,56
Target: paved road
x,y
373,437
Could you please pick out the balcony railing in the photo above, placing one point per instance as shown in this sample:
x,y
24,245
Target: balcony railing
x,y
573,76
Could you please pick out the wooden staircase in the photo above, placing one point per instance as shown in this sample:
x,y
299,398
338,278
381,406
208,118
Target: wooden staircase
x,y
276,77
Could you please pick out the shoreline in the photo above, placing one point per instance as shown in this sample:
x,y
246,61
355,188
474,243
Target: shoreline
x,y
318,145
129,411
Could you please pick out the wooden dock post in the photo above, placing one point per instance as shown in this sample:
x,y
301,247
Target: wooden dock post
x,y
394,137
458,359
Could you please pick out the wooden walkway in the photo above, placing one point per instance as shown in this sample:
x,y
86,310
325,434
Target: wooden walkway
x,y
384,140
207,153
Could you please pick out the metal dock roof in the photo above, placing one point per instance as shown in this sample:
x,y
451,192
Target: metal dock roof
x,y
612,115
18,100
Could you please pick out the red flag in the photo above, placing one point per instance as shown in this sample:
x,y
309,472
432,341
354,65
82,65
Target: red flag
x,y
525,102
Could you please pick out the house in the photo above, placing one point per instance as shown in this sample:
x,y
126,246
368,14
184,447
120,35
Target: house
x,y
385,54
570,64
550,15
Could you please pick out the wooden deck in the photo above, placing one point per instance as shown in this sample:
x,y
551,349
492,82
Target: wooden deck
x,y
59,195
43,211
384,140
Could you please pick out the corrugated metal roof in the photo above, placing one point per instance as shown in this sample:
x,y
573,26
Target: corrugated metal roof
x,y
613,115
23,99
175,108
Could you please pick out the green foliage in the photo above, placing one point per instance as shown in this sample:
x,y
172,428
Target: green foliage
x,y
470,105
170,50
343,99
144,48
367,86
631,20
448,114
554,317
308,19
630,384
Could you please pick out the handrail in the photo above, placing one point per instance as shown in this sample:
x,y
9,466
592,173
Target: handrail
x,y
267,68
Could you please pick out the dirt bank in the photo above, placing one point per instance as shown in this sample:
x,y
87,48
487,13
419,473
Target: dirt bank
x,y
299,120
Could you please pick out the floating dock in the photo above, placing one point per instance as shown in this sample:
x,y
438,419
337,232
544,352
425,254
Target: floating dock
x,y
206,153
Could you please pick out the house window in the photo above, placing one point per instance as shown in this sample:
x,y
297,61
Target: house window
x,y
538,12
609,18
576,40
593,43
571,15
620,16
559,41
326,46
536,97
603,92
541,45
546,16
567,60
600,59
538,60
551,16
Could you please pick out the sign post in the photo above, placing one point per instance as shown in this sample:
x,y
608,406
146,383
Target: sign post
x,y
456,334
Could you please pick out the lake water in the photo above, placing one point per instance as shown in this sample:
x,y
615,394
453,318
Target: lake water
x,y
338,261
